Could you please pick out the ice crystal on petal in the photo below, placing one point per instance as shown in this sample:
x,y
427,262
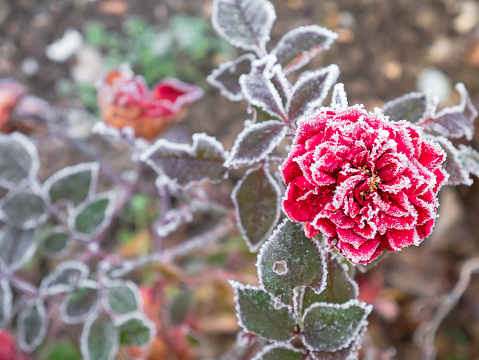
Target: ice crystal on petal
x,y
368,184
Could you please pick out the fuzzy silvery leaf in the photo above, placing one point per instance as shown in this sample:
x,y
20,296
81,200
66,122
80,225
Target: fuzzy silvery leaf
x,y
260,92
32,325
339,99
22,208
339,289
257,314
281,83
310,90
255,142
93,215
17,246
82,302
332,327
348,353
298,46
66,276
226,77
73,183
56,242
99,338
135,330
5,303
188,164
244,23
279,352
290,259
257,200
455,121
411,107
454,165
122,297
18,159
470,159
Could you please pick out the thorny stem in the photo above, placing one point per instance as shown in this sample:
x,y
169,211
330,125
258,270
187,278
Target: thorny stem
x,y
426,332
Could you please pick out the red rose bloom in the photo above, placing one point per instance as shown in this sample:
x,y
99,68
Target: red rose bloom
x,y
126,100
365,182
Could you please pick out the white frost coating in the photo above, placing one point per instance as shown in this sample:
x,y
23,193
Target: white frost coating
x,y
254,17
63,252
163,145
267,147
191,94
339,99
279,78
30,223
173,220
90,284
298,295
263,65
46,287
351,303
312,101
278,345
120,320
116,283
430,100
291,37
84,340
280,267
32,151
63,48
92,167
229,66
37,306
109,211
260,91
28,253
6,301
254,247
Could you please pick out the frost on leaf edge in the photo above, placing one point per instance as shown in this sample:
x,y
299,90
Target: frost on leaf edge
x,y
278,345
254,247
91,284
6,301
43,329
27,225
125,283
46,289
120,320
84,339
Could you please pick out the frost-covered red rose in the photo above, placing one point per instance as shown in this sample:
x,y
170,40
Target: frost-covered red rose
x,y
365,182
126,100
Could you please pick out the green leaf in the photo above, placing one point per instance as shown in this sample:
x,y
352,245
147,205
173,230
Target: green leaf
x,y
257,314
332,327
279,352
410,107
179,308
17,247
257,199
63,350
6,297
56,242
32,325
136,330
99,338
122,297
290,259
92,216
80,303
22,208
339,287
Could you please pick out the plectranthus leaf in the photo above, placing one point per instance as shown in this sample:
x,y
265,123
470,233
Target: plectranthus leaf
x,y
412,107
455,121
290,259
122,297
56,242
135,330
297,47
244,23
279,352
257,199
255,142
5,303
339,289
82,302
64,278
339,99
17,247
226,77
260,91
93,215
188,164
18,159
310,91
32,325
22,208
99,338
73,183
257,314
332,327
